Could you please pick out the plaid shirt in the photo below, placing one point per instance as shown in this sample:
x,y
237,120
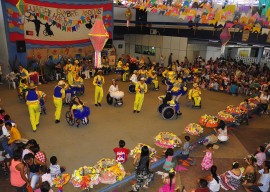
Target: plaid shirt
x,y
41,156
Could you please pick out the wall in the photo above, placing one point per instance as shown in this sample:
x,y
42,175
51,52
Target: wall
x,y
213,52
163,44
196,49
3,47
15,25
119,51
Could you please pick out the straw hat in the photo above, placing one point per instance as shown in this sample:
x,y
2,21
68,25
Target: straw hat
x,y
61,82
99,71
76,61
32,86
142,79
195,85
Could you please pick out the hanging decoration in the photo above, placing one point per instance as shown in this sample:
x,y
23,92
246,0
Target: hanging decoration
x,y
128,16
20,6
98,36
225,35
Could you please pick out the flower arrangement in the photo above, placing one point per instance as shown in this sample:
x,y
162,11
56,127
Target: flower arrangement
x,y
167,140
209,121
234,110
85,177
110,171
225,116
61,180
137,150
194,129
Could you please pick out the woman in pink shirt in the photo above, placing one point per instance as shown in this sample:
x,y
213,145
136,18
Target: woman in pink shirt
x,y
17,175
260,155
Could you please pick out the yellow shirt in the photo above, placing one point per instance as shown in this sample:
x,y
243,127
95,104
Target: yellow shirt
x,y
24,73
141,88
98,80
164,73
14,135
77,107
119,64
69,67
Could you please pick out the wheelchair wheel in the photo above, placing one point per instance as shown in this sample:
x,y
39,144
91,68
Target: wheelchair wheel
x,y
69,118
81,92
131,88
109,99
168,112
160,108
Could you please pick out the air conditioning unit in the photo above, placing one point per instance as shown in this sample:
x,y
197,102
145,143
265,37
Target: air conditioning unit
x,y
153,31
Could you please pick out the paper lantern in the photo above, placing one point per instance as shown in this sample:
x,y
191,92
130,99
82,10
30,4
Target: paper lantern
x,y
98,36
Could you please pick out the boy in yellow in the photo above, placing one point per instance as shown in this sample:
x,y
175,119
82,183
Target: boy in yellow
x,y
23,87
154,78
76,68
194,94
32,101
69,70
126,72
98,82
58,96
141,88
9,144
24,73
119,64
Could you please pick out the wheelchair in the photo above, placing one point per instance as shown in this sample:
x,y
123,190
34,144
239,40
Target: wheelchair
x,y
167,111
131,88
114,101
77,90
71,121
151,84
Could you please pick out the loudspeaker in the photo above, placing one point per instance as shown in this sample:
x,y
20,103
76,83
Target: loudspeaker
x,y
21,47
141,16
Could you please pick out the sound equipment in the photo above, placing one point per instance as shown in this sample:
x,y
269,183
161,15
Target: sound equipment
x,y
21,47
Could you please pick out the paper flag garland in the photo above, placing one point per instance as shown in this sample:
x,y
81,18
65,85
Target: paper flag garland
x,y
20,6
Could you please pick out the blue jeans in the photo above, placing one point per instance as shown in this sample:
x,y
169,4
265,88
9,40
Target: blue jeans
x,y
8,148
34,179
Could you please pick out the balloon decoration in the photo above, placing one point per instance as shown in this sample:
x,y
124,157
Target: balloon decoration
x,y
98,36
20,6
128,16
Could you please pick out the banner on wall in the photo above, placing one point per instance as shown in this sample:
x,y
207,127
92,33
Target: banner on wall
x,y
58,24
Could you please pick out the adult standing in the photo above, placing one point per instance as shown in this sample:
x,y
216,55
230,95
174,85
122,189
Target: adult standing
x,y
170,60
58,96
143,173
162,60
32,101
141,89
69,70
17,176
264,100
98,82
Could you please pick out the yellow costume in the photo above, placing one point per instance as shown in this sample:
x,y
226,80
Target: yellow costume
x,y
78,81
143,73
69,71
164,73
22,87
154,78
32,101
98,82
119,65
140,89
126,73
24,73
194,94
76,69
58,96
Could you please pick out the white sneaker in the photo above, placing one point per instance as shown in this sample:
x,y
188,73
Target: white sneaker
x,y
7,156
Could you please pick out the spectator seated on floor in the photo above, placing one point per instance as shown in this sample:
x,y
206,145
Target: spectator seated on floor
x,y
233,89
9,143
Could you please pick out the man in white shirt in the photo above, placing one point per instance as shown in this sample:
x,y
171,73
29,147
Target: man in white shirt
x,y
134,77
5,132
262,184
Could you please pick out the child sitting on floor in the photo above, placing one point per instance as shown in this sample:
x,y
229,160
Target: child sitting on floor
x,y
121,153
55,169
169,182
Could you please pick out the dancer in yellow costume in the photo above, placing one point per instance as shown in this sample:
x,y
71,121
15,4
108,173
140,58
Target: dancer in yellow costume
x,y
98,82
194,94
126,72
69,70
58,96
154,78
24,73
76,68
141,89
32,101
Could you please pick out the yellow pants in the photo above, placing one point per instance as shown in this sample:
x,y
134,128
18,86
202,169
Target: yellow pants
x,y
155,82
58,103
70,78
98,94
138,101
197,101
34,115
125,76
